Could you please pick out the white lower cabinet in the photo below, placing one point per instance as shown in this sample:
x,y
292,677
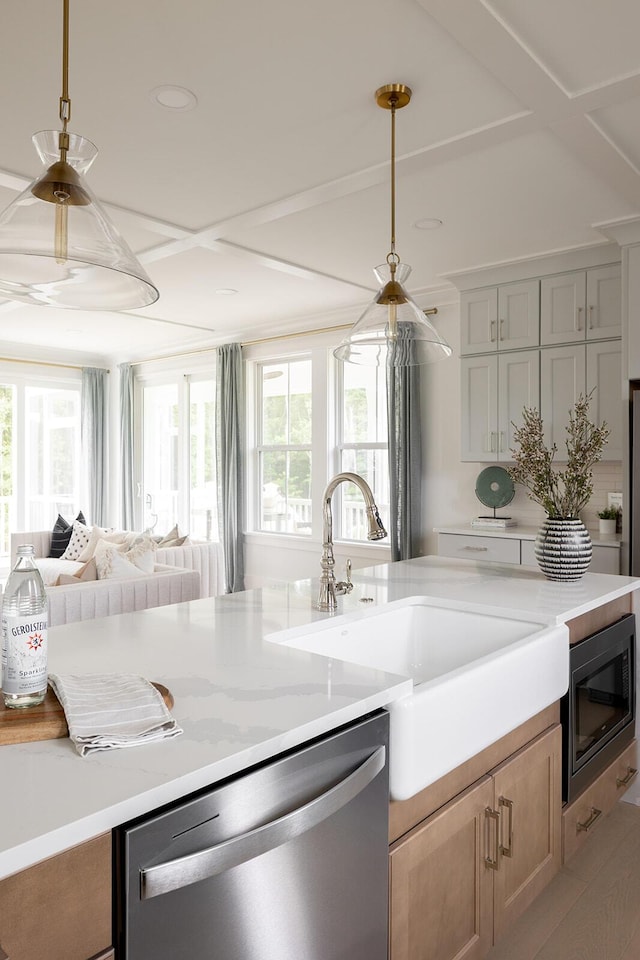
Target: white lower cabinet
x,y
513,549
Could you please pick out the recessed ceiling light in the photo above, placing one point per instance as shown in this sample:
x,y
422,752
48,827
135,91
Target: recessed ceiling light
x,y
428,223
226,292
174,98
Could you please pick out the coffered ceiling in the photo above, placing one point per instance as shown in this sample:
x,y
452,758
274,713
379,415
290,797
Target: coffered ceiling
x,y
522,135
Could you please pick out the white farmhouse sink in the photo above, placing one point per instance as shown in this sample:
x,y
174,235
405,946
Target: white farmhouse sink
x,y
476,677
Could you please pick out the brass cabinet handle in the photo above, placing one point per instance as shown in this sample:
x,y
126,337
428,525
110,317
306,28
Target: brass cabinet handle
x,y
508,850
631,773
492,862
595,815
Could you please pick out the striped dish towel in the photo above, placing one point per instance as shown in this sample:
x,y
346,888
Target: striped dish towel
x,y
112,710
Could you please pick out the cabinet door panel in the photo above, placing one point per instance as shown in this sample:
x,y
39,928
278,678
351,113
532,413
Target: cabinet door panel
x,y
479,321
562,380
604,302
479,426
528,788
519,315
518,386
440,886
562,308
604,376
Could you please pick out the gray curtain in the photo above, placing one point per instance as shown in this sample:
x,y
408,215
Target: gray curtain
x,y
229,461
94,440
405,442
126,446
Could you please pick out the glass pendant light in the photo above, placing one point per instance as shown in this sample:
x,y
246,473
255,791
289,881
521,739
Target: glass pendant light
x,y
393,329
57,244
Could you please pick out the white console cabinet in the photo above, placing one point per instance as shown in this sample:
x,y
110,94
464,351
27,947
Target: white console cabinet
x,y
516,545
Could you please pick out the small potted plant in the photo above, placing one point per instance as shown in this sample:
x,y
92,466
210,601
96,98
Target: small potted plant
x,y
608,520
563,545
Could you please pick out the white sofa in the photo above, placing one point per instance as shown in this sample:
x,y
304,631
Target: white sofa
x,y
103,598
205,558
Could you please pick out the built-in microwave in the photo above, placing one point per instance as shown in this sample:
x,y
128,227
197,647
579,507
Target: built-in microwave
x,y
598,711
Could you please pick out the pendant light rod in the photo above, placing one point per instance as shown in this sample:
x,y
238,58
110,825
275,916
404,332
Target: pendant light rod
x,y
65,102
393,96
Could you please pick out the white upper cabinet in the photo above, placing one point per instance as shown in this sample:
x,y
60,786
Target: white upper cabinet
x,y
604,377
494,391
500,318
583,304
562,381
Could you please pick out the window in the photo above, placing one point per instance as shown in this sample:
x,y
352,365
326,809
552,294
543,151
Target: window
x,y
284,446
178,457
362,445
314,418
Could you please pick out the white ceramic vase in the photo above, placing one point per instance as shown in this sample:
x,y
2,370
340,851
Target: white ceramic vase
x,y
563,549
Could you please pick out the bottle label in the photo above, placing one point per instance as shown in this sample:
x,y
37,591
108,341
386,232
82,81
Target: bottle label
x,y
24,653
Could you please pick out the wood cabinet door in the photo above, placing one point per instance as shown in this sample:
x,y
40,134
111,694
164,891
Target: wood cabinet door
x,y
562,307
479,321
479,408
440,885
528,796
519,315
604,302
60,908
518,387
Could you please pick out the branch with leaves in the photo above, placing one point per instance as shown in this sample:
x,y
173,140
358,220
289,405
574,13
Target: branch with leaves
x,y
562,493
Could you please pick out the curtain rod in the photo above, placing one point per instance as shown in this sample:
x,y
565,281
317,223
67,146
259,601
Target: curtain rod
x,y
47,363
429,312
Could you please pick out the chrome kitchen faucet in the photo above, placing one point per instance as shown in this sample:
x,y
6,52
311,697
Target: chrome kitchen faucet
x,y
330,589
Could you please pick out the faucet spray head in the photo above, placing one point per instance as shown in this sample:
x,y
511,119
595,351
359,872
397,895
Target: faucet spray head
x,y
376,527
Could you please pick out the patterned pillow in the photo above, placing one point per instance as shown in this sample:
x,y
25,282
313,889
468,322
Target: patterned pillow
x,y
80,536
111,563
61,534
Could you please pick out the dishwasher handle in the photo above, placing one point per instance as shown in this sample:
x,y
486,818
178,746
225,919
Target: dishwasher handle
x,y
174,874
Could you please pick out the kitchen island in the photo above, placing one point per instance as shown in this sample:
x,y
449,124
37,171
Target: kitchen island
x,y
239,699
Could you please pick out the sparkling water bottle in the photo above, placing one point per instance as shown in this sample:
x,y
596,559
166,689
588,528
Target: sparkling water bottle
x,y
24,634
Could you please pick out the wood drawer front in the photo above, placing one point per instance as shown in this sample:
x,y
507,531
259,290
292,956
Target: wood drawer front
x,y
580,816
499,549
61,908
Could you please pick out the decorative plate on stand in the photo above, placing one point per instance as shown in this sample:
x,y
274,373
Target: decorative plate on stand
x,y
495,488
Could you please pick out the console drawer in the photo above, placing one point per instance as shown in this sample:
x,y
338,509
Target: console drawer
x,y
499,549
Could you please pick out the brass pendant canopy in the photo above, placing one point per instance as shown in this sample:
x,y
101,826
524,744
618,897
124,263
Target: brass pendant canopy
x,y
57,245
393,329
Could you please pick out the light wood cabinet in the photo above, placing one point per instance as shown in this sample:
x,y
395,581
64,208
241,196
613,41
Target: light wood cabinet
x,y
583,815
500,318
581,305
495,389
460,877
60,908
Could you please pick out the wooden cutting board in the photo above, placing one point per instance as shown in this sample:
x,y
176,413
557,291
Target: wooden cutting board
x,y
46,721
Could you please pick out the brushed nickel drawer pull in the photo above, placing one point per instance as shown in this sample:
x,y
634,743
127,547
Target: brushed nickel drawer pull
x,y
631,773
490,814
492,336
595,815
508,850
578,324
476,549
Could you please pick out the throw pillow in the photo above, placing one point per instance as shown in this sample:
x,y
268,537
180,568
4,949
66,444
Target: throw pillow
x,y
80,537
84,574
99,533
111,563
142,553
180,542
172,535
61,534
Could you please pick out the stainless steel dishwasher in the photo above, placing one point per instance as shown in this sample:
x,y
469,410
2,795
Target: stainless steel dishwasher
x,y
285,862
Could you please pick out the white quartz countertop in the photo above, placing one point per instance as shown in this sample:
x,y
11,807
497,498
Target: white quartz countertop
x,y
239,698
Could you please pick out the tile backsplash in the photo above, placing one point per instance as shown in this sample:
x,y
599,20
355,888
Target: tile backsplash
x,y
607,478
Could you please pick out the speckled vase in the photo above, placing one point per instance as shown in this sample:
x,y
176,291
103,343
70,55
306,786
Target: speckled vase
x,y
563,549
